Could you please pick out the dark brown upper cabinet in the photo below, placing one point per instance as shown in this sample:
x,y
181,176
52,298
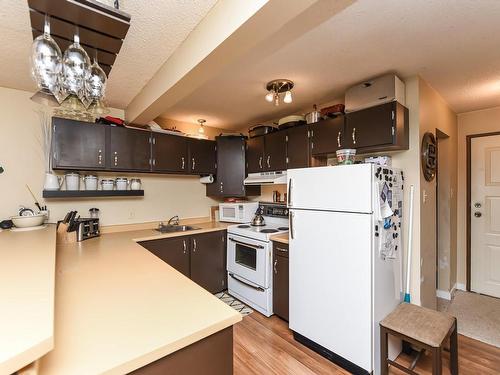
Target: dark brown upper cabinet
x,y
298,147
267,153
275,151
380,128
78,145
174,251
208,260
231,170
255,154
129,149
327,136
170,153
202,156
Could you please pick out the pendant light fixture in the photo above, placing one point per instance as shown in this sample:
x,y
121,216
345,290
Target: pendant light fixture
x,y
45,67
277,87
202,122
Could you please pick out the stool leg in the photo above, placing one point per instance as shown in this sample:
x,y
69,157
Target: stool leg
x,y
384,367
436,361
454,350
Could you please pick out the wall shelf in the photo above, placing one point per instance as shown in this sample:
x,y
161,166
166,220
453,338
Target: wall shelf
x,y
91,193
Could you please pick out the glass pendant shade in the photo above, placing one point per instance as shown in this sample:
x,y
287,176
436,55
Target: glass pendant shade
x,y
75,69
46,67
96,82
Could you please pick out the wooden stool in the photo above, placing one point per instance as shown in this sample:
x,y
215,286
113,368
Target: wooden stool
x,y
424,328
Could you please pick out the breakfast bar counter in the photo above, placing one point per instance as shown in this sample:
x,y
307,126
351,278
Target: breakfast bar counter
x,y
119,307
27,268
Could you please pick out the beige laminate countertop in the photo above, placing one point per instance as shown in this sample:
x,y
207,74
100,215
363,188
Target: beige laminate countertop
x,y
119,307
283,238
27,268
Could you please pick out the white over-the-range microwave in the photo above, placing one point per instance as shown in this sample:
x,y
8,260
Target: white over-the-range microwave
x,y
237,212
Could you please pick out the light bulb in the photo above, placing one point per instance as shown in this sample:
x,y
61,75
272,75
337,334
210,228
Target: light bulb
x,y
270,96
288,97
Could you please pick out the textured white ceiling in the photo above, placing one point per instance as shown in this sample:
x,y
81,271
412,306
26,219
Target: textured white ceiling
x,y
452,44
157,28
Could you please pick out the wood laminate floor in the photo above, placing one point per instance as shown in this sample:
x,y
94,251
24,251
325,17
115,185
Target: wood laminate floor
x,y
266,346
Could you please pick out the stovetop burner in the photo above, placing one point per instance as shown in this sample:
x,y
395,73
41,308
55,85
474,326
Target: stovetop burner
x,y
258,226
283,228
244,226
268,231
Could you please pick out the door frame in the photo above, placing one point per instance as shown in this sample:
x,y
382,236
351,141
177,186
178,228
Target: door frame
x,y
440,136
469,210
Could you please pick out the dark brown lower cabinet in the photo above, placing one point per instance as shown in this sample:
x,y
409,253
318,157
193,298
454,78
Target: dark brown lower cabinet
x,y
208,261
174,251
212,355
201,257
280,280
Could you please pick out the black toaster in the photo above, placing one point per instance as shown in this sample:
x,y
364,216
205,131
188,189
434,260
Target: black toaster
x,y
87,228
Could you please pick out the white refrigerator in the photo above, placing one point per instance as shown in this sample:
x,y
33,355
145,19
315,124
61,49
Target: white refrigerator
x,y
345,259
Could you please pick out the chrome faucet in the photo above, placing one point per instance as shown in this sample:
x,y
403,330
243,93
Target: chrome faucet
x,y
174,220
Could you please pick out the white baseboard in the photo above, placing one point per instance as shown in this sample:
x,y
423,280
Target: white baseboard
x,y
448,295
460,286
444,294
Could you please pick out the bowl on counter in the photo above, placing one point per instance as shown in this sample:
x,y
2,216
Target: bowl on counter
x,y
28,221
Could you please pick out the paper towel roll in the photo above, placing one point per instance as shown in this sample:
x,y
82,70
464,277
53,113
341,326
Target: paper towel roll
x,y
207,179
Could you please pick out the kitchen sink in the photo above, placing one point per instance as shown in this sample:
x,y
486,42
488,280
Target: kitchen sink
x,y
175,228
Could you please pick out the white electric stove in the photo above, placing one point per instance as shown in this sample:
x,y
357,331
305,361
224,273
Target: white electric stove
x,y
249,258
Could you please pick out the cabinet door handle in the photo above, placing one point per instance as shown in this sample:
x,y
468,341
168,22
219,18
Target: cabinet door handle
x,y
281,249
116,158
354,135
194,245
194,163
185,247
99,157
338,140
260,162
183,163
275,264
269,161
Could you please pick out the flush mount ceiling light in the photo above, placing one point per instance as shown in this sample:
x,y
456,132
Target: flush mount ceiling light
x,y
279,86
201,130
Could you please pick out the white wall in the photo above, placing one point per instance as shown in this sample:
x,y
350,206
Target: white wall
x,y
21,157
476,122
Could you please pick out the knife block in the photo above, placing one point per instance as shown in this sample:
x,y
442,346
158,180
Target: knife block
x,y
63,236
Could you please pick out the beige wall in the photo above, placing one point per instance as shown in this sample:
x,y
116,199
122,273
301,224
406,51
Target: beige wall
x,y
476,122
434,113
21,157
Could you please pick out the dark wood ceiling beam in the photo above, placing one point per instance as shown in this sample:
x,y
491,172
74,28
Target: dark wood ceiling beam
x,y
101,19
67,30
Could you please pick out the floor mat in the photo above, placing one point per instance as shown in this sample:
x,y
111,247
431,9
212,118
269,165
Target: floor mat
x,y
478,316
234,303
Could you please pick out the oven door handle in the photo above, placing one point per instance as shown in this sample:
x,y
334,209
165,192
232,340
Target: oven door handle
x,y
260,289
246,244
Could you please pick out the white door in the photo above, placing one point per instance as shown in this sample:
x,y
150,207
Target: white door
x,y
330,281
335,188
485,215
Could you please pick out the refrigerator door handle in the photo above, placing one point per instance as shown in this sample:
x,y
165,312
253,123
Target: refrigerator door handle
x,y
292,235
289,192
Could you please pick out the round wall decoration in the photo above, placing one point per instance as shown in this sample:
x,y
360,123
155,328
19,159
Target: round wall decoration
x,y
428,153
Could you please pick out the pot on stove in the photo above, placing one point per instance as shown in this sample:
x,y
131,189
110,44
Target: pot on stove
x,y
258,219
